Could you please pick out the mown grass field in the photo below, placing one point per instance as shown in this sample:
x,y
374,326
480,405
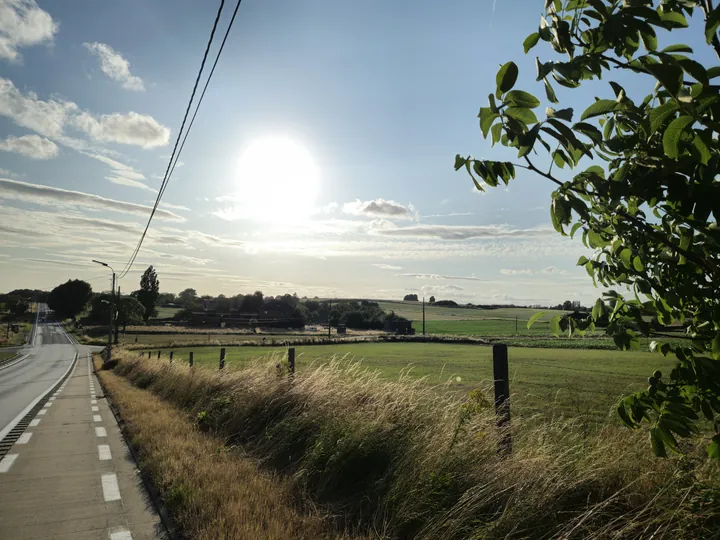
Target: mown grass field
x,y
413,310
166,313
578,383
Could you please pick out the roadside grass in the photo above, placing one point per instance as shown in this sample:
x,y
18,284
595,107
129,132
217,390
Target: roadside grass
x,y
5,355
13,340
400,459
546,382
211,490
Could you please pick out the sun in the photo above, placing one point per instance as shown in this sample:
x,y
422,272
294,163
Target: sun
x,y
277,180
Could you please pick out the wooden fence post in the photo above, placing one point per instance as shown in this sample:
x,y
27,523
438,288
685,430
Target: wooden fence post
x,y
158,355
149,353
171,356
191,359
291,360
136,337
222,358
501,375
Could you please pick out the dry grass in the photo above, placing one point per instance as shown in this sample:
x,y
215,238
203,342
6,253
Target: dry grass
x,y
401,460
211,490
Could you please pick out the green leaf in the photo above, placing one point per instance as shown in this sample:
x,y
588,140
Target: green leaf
x,y
670,76
487,122
505,79
711,25
602,106
496,131
677,49
622,413
702,147
716,347
658,446
534,318
563,114
649,40
638,264
672,135
626,257
530,41
672,19
521,113
598,309
550,93
555,324
518,98
713,449
459,162
659,114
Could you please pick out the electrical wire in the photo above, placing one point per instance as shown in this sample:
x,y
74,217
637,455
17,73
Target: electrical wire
x,y
176,153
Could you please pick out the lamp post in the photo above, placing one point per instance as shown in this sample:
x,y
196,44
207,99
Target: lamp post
x,y
112,308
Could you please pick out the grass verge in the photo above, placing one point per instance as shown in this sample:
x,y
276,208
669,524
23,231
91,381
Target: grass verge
x,y
211,490
398,459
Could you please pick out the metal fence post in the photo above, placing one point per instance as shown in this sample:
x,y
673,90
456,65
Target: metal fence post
x,y
191,359
501,375
291,360
222,358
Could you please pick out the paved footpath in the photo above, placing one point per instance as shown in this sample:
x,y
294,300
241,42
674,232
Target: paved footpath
x,y
70,474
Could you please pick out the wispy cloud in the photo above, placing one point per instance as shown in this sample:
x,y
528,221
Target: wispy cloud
x,y
115,66
530,271
32,146
23,24
382,266
458,232
440,276
379,208
52,196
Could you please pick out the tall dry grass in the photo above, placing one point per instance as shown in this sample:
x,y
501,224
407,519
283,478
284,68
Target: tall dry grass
x,y
212,491
401,460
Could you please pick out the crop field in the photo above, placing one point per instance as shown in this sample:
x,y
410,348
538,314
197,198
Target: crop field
x,y
413,310
550,382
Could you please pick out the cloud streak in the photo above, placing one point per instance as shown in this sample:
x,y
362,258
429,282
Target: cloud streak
x,y
115,66
457,232
32,146
52,196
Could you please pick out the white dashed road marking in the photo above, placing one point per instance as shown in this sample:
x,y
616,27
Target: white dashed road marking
x,y
97,418
35,422
24,438
95,408
42,412
100,432
93,402
6,462
120,534
104,452
111,491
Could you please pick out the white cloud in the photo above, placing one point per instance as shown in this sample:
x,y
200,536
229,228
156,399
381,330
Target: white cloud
x,y
52,196
441,289
440,276
129,182
458,232
387,266
530,272
50,118
23,24
379,208
131,128
115,66
32,146
123,175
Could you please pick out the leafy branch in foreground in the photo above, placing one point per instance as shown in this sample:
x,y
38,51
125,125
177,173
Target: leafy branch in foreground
x,y
646,198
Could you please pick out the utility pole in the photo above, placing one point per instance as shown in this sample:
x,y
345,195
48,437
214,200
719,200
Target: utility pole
x,y
115,313
329,308
112,309
423,316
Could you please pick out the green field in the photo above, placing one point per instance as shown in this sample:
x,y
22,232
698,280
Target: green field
x,y
169,338
413,310
579,383
166,313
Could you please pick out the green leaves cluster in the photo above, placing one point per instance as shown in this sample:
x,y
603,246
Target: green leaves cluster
x,y
644,193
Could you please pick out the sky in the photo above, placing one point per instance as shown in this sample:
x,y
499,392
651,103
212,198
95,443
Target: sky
x,y
321,160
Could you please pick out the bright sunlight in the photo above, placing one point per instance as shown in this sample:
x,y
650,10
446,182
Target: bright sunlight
x,y
277,180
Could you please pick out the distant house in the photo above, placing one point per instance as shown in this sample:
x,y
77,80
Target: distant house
x,y
399,327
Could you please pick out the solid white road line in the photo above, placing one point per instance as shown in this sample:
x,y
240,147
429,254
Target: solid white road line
x,y
14,362
97,418
6,462
120,534
24,438
111,491
100,432
35,422
104,452
95,408
27,409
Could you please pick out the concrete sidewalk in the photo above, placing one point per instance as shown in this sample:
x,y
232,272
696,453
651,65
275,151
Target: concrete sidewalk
x,y
70,475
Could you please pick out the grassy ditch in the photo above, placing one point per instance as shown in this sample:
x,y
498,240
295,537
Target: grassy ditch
x,y
398,459
211,490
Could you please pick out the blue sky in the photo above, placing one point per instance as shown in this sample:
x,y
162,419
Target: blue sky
x,y
359,108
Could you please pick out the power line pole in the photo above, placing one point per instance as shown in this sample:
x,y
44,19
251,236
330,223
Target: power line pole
x,y
423,316
329,308
116,311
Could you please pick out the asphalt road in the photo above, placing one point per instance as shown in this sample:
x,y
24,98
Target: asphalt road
x,y
47,360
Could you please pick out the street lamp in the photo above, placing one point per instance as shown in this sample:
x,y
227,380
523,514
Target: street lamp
x,y
112,309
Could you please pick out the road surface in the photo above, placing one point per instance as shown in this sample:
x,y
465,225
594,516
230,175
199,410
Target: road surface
x,y
65,471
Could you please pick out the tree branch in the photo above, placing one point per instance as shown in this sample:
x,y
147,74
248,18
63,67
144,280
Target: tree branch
x,y
707,7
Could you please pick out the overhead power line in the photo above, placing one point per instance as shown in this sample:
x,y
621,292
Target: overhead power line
x,y
175,156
